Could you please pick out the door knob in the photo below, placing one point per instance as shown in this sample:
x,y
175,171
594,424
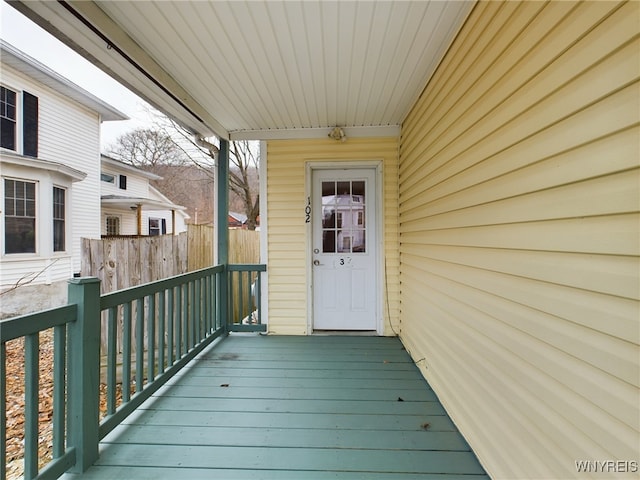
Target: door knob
x,y
316,262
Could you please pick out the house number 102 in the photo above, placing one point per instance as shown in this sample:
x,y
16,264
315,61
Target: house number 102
x,y
307,211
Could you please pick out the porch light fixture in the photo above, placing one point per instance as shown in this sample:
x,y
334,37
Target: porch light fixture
x,y
337,134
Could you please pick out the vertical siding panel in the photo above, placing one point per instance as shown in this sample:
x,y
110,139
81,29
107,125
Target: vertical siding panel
x,y
519,242
287,231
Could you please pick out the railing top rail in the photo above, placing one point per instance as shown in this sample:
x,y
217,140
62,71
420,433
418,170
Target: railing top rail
x,y
31,323
247,267
123,296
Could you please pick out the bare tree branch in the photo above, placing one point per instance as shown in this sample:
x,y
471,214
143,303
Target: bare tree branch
x,y
25,280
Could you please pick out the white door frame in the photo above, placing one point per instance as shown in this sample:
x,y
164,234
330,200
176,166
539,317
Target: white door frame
x,y
379,230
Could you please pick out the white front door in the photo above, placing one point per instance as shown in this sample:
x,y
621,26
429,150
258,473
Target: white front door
x,y
344,249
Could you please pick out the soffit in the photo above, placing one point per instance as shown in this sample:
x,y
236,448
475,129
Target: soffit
x,y
253,69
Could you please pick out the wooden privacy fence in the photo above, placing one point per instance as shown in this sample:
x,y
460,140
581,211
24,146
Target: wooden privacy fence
x,y
244,246
200,246
122,263
126,262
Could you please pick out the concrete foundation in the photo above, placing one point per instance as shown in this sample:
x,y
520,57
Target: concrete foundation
x,y
32,298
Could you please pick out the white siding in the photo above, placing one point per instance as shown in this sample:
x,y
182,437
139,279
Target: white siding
x,y
136,186
68,134
128,221
519,235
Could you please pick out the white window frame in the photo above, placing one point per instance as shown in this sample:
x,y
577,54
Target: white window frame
x,y
106,225
18,120
36,217
64,219
104,175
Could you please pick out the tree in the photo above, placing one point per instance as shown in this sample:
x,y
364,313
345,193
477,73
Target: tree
x,y
154,151
171,151
243,178
244,159
146,148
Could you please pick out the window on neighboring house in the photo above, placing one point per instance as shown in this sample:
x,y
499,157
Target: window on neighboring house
x,y
9,122
123,182
8,118
108,178
19,216
58,219
154,226
113,226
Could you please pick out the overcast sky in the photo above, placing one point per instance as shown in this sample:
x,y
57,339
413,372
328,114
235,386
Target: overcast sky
x,y
25,35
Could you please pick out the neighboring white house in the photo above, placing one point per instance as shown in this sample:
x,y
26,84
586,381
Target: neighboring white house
x,y
131,206
50,173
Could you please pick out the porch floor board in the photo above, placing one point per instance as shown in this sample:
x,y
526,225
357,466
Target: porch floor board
x,y
267,407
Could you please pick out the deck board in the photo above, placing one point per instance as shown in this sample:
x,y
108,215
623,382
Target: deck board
x,y
266,407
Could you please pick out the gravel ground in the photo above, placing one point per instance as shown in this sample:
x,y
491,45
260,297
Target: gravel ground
x,y
15,404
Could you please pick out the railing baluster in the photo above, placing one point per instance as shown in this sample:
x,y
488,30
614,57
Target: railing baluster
x,y
249,297
210,325
59,388
179,320
126,352
185,318
214,301
31,382
139,344
198,311
192,314
240,299
151,339
111,360
162,325
170,327
258,293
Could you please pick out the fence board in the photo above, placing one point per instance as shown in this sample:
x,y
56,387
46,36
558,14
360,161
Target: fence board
x,y
126,262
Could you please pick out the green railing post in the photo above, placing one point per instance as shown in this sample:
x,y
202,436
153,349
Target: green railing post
x,y
223,228
84,372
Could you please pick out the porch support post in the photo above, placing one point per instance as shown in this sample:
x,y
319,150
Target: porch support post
x,y
139,218
84,372
223,228
223,202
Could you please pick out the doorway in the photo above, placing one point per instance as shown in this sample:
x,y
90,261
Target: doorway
x,y
344,249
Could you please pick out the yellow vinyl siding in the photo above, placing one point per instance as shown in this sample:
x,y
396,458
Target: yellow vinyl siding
x,y
287,231
519,233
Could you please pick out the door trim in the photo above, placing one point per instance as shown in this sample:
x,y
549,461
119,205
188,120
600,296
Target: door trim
x,y
375,165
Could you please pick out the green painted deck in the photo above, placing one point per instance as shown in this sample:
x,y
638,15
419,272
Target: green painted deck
x,y
280,407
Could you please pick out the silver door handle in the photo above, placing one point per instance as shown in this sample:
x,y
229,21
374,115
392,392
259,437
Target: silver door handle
x,y
316,263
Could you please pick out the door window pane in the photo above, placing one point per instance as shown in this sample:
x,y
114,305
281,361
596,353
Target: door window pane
x,y
343,216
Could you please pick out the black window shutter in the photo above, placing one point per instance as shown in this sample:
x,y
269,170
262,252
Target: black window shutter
x,y
164,226
29,124
123,182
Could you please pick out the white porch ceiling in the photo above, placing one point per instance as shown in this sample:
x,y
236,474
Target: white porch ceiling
x,y
264,69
